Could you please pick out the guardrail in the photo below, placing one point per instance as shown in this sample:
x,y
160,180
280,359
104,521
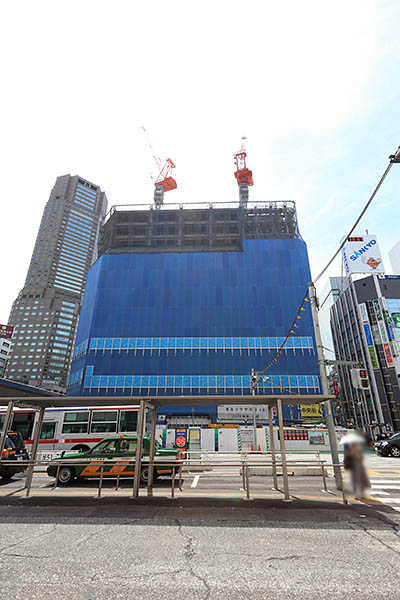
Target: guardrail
x,y
244,465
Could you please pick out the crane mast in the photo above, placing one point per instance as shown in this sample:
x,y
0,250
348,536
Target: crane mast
x,y
244,176
164,182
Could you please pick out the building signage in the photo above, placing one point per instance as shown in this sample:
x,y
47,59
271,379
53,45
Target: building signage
x,y
6,331
311,412
242,413
363,311
180,438
246,438
362,255
388,355
383,333
374,360
368,336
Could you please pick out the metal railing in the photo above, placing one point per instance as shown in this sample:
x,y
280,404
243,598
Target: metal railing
x,y
246,468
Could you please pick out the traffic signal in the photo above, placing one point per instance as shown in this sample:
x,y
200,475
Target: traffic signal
x,y
359,379
364,383
253,381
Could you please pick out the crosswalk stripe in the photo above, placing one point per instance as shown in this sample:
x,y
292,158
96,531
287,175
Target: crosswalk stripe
x,y
380,493
386,482
386,486
195,481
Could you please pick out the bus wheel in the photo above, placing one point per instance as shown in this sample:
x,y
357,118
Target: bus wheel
x,y
81,448
66,475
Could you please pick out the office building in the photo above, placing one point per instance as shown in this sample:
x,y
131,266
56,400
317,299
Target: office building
x,y
328,296
5,349
394,256
46,311
188,301
365,321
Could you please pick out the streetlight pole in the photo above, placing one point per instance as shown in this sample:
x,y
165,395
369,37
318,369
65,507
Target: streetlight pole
x,y
325,387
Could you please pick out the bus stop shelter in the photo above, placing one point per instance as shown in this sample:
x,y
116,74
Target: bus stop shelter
x,y
153,403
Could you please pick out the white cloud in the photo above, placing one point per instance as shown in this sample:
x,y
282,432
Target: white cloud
x,y
82,77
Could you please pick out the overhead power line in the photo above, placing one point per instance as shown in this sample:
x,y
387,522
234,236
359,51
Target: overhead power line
x,y
393,158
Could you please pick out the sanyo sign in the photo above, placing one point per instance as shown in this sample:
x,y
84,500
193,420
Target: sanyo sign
x,y
361,254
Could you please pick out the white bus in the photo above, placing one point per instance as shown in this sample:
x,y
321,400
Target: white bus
x,y
75,428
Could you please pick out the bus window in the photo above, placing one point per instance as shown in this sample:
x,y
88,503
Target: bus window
x,y
76,422
48,431
128,420
104,421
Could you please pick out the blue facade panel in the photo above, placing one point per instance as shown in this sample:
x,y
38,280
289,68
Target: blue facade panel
x,y
196,323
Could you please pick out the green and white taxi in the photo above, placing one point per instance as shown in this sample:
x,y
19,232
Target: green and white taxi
x,y
115,456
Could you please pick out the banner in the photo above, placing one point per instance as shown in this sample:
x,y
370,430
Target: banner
x,y
6,331
362,255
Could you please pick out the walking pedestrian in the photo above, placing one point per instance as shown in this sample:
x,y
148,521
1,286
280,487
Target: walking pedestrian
x,y
354,462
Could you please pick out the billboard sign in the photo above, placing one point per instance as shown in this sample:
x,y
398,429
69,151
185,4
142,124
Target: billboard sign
x,y
362,255
6,331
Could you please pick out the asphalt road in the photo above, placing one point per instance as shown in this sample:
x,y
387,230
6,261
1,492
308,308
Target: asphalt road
x,y
72,545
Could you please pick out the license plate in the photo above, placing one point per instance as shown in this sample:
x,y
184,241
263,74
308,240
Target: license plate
x,y
20,458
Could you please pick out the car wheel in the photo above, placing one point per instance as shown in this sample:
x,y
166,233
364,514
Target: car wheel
x,y
144,475
395,451
66,475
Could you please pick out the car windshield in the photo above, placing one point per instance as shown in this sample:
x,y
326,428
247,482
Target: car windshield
x,y
395,437
106,446
9,443
17,440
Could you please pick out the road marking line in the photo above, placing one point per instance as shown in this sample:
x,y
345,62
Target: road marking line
x,y
195,481
381,493
385,486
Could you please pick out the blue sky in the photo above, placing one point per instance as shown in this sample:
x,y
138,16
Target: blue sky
x,y
313,85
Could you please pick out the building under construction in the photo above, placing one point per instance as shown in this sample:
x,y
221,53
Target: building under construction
x,y
213,227
190,300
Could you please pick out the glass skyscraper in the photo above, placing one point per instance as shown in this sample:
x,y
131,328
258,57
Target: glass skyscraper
x,y
46,311
187,302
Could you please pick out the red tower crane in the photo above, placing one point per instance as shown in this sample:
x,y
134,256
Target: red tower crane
x,y
164,182
243,175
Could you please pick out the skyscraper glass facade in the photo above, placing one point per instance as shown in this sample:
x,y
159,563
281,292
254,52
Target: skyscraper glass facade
x,y
196,322
46,311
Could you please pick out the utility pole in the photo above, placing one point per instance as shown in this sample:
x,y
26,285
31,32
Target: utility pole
x,y
325,387
254,382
